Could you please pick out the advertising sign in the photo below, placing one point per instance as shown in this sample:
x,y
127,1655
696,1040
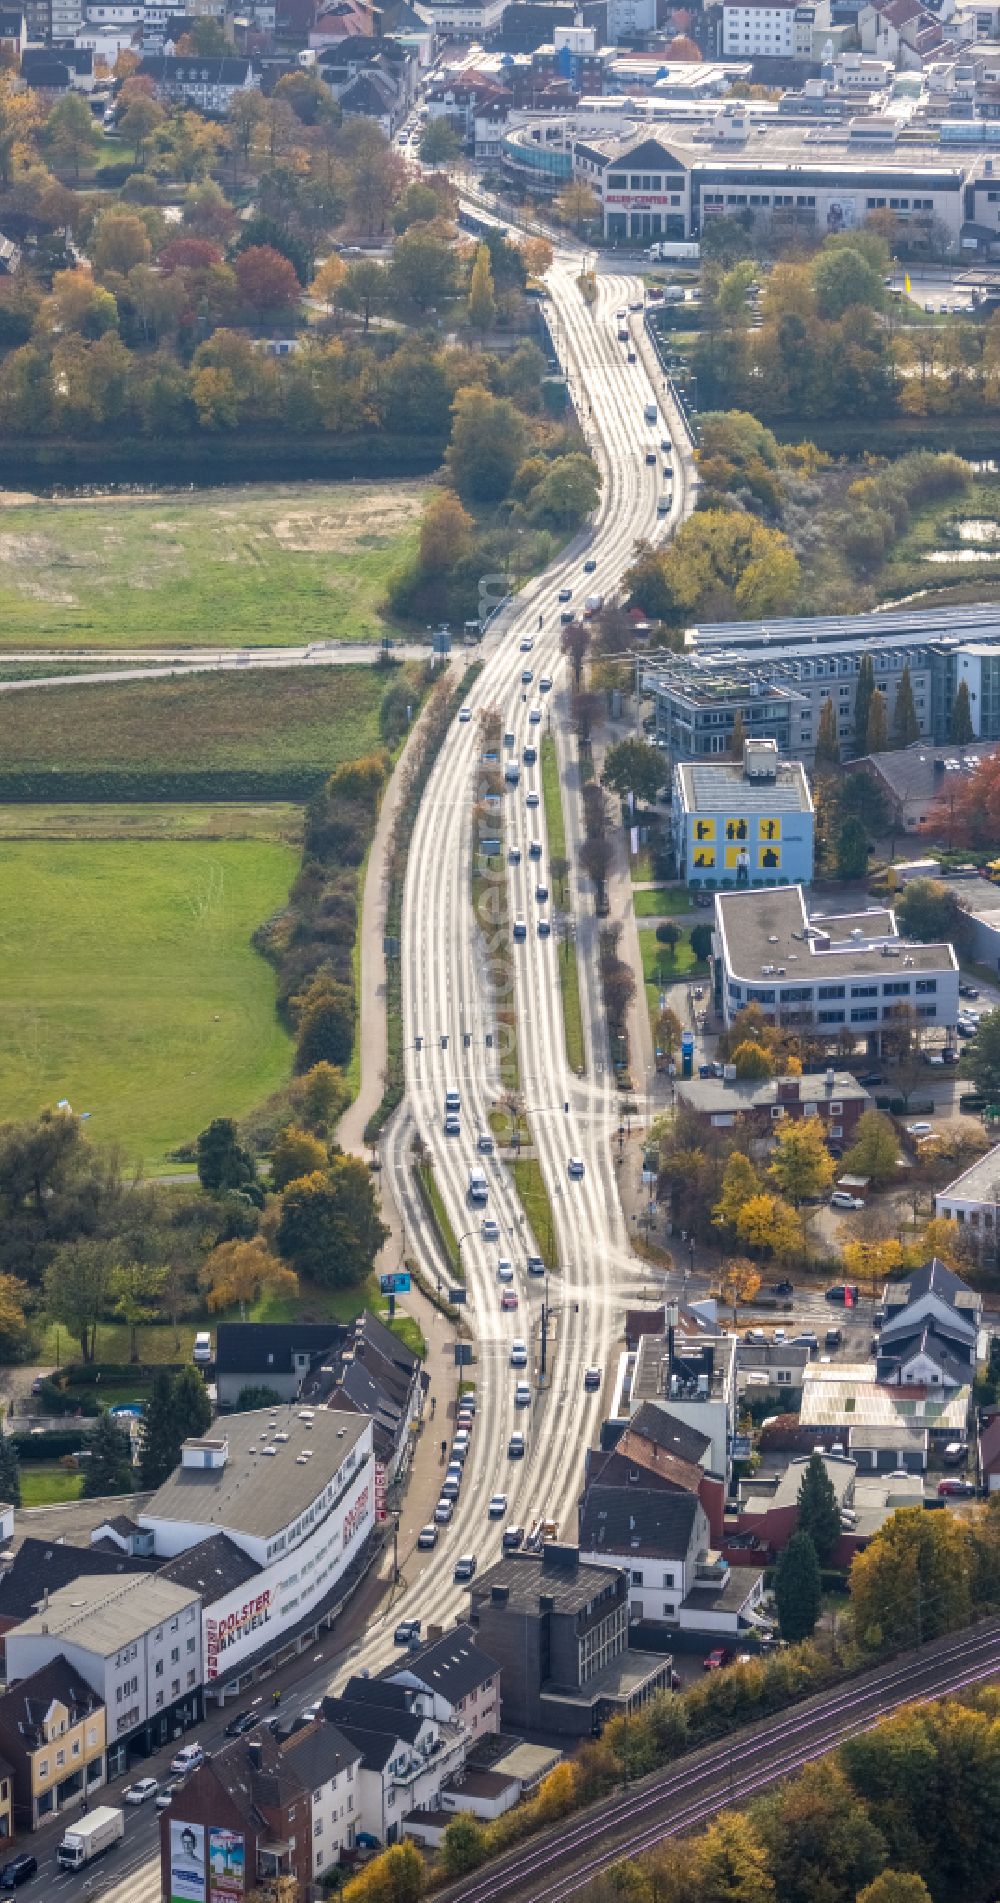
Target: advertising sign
x,y
356,1515
233,1627
397,1283
187,1862
841,214
380,1508
226,1866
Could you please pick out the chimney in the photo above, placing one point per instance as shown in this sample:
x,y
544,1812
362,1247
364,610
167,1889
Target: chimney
x,y
546,1602
788,1090
255,1753
831,1078
499,1595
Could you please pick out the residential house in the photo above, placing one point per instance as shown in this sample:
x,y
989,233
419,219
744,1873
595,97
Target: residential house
x,y
40,1567
13,35
328,1765
244,1815
277,1355
136,1641
770,1368
6,1802
406,1753
726,1103
989,1454
931,1329
454,1680
558,1627
922,782
766,29
208,84
52,1740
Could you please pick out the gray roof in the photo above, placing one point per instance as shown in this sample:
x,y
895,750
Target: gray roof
x,y
558,1573
766,927
453,1665
935,1278
212,1568
731,1596
263,1348
638,1520
723,787
40,1566
919,772
899,1436
656,1423
840,1472
255,1493
320,1752
709,1094
101,1615
980,1183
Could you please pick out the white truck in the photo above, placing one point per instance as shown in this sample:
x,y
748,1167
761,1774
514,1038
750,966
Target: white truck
x,y
90,1837
674,250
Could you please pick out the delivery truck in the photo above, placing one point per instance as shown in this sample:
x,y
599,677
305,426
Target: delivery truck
x,y
674,250
90,1837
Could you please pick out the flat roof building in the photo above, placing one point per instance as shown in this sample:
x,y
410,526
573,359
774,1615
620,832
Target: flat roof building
x,y
973,1200
748,820
848,973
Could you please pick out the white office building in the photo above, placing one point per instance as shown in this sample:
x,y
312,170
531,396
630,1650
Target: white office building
x,y
777,29
850,973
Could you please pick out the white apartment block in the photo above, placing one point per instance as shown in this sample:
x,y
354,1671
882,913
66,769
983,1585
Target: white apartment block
x,y
776,29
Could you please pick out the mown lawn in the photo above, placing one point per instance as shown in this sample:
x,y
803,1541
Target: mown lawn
x,y
128,984
530,1185
662,966
45,1486
260,566
660,900
297,718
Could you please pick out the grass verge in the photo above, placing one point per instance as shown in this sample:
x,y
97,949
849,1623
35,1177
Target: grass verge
x,y
433,1202
572,1010
278,564
410,1333
555,825
663,965
530,1185
131,986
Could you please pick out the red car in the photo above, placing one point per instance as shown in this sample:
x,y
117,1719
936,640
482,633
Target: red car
x,y
717,1659
957,1489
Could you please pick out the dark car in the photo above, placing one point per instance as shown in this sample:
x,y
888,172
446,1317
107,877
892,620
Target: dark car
x,y
589,566
17,1871
871,1077
783,1288
847,1293
240,1722
833,1337
406,1631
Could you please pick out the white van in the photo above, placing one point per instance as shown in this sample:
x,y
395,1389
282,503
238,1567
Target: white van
x,y
202,1350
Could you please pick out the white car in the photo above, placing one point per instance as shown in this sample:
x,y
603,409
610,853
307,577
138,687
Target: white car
x,y
518,1353
920,1129
141,1791
498,1506
575,1166
842,1199
187,1759
443,1512
465,714
522,1394
491,1229
165,1795
505,1270
532,800
427,1538
526,645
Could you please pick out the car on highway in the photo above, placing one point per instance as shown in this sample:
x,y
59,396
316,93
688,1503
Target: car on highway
x,y
920,1129
187,1759
532,800
589,566
565,594
526,677
542,894
444,1511
522,1394
166,1794
651,458
667,446
535,1265
452,1100
490,1229
526,645
465,1569
452,1125
141,1791
591,1379
497,1506
535,849
513,1537
518,1353
847,1294
484,1143
545,685
842,1199
465,715
782,1288
505,1270
427,1538
516,1447
508,1301
534,717
513,855
240,1722
406,1631
717,1659
544,928
955,1489
575,1167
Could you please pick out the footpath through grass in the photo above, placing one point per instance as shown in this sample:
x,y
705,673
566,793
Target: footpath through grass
x,y
131,988
569,970
273,565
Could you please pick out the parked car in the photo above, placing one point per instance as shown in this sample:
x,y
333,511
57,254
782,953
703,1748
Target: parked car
x,y
717,1659
427,1538
833,1337
465,1569
920,1129
782,1288
141,1791
842,1199
444,1512
968,991
406,1631
955,1489
871,1077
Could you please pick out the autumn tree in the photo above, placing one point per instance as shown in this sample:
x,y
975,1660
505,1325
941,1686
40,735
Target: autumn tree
x,y
666,1033
739,1281
296,1152
439,142
482,302
827,742
877,731
577,205
633,767
76,1284
875,1150
822,1841
486,446
769,1223
864,693
72,131
870,1260
895,1886
575,644
981,1057
120,242
329,279
912,1580
753,1062
739,1183
266,280
326,1024
134,1288
802,1165
538,255
244,1271
329,1228
446,535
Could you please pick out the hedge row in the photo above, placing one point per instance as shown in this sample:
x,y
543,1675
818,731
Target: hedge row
x,y
260,456
119,786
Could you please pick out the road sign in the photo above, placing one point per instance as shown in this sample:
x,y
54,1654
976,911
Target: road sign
x,y
742,1446
398,1283
457,1296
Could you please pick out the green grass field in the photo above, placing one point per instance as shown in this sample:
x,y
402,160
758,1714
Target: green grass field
x,y
128,984
569,992
276,821
659,901
661,966
45,1486
530,1185
257,566
292,717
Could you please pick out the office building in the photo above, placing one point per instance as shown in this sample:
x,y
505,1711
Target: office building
x,y
973,1200
749,821
840,975
767,29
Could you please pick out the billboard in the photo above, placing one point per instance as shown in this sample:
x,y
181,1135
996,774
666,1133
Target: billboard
x,y
841,214
226,1865
397,1283
233,1628
187,1862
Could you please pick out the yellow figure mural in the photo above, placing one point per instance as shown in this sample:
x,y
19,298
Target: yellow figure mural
x,y
769,858
770,829
704,858
704,829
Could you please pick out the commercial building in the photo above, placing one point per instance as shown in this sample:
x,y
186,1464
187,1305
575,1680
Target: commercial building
x,y
208,84
730,1103
41,1567
750,820
973,1200
767,29
294,1490
559,1630
840,1396
777,675
242,1820
691,1371
53,1740
847,974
